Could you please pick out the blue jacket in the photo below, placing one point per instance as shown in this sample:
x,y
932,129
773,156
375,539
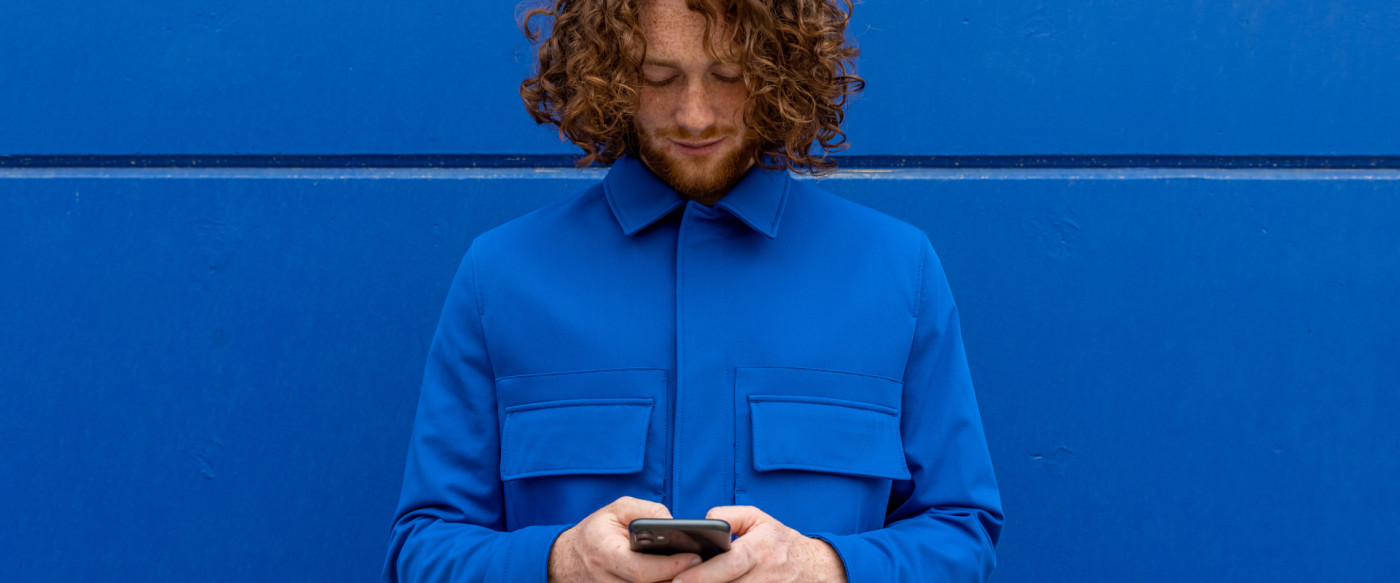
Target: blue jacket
x,y
784,349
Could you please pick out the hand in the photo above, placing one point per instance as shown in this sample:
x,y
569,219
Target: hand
x,y
766,552
596,549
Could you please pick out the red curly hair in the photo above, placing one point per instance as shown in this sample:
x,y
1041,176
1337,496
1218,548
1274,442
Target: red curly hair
x,y
797,66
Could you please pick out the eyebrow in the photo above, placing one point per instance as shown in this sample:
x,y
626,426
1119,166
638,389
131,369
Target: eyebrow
x,y
661,63
671,64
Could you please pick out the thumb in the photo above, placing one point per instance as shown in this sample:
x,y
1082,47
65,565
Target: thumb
x,y
741,519
626,509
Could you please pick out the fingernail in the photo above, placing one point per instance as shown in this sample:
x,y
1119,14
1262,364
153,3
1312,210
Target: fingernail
x,y
694,562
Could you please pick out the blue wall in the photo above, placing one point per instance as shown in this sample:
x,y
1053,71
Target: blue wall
x,y
1185,372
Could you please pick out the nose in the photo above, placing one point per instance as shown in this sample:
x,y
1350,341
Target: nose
x,y
695,112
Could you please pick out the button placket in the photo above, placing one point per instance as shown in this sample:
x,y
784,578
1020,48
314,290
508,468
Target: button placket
x,y
702,451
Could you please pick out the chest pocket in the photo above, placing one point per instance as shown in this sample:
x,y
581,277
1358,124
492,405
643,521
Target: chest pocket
x,y
826,435
572,442
587,436
818,449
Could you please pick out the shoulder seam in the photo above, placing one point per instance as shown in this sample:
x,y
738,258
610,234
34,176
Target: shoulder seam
x,y
476,288
919,290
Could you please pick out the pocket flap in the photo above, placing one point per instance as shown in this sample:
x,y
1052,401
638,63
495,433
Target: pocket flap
x,y
591,436
826,435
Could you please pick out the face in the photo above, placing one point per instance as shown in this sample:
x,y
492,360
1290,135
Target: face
x,y
691,122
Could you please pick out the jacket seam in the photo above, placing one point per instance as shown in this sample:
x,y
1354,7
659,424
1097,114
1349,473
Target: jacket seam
x,y
573,372
919,289
821,370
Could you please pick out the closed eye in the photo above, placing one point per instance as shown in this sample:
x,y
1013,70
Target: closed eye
x,y
661,83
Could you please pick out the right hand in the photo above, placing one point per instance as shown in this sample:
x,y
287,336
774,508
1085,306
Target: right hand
x,y
597,549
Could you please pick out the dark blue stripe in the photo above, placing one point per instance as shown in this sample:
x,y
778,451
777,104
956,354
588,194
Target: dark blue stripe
x,y
563,161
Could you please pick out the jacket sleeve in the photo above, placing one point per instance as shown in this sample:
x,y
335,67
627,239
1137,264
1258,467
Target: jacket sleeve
x,y
450,524
944,521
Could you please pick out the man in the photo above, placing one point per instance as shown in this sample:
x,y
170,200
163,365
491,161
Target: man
x,y
700,335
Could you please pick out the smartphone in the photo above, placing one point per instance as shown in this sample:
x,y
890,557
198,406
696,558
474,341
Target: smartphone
x,y
668,536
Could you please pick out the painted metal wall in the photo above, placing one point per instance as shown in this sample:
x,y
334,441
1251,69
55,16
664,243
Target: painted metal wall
x,y
1185,372
956,77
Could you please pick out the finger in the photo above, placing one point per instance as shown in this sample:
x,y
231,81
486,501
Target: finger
x,y
627,508
754,576
648,568
740,518
723,568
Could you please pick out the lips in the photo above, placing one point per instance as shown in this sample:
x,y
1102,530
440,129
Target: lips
x,y
697,148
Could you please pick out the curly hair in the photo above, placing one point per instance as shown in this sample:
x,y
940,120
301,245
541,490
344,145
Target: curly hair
x,y
798,68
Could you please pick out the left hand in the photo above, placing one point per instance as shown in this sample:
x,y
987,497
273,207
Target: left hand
x,y
765,552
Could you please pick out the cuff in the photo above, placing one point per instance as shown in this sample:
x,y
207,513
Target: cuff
x,y
527,557
859,557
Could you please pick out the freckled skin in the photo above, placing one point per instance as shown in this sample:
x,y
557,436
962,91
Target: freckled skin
x,y
691,120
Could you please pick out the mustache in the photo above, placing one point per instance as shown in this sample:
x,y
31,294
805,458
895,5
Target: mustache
x,y
708,133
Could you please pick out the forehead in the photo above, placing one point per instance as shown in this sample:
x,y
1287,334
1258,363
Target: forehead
x,y
675,32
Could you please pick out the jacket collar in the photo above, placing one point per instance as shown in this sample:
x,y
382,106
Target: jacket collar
x,y
639,198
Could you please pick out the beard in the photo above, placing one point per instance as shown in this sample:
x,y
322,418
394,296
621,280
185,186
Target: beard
x,y
705,179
